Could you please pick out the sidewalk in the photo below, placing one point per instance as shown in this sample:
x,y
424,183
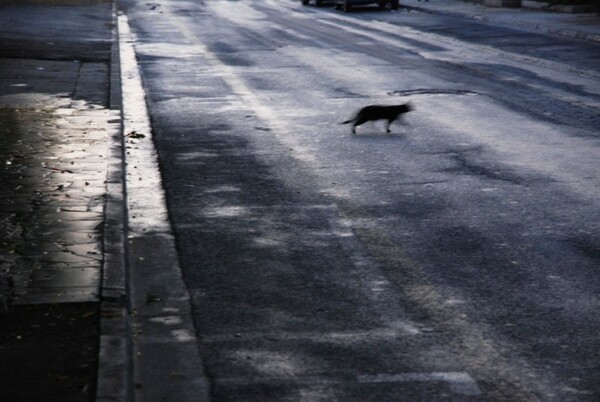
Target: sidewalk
x,y
84,314
580,26
56,130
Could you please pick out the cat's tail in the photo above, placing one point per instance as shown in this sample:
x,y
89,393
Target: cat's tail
x,y
347,121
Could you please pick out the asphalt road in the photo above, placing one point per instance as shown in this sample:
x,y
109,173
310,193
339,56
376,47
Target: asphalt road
x,y
455,258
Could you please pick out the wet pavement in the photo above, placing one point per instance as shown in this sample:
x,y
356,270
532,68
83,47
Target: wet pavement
x,y
55,125
53,151
52,192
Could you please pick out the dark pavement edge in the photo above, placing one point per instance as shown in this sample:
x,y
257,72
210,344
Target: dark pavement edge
x,y
572,32
114,358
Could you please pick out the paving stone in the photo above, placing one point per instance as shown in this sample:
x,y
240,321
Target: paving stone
x,y
53,182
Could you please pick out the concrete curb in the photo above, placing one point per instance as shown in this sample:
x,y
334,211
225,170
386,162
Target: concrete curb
x,y
165,358
114,361
148,344
570,33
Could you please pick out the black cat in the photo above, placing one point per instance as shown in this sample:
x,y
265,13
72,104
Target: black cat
x,y
378,112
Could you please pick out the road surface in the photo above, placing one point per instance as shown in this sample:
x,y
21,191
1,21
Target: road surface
x,y
455,258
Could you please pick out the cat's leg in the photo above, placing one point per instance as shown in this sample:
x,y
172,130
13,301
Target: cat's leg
x,y
389,123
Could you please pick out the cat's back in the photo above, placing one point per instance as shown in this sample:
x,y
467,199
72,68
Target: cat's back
x,y
373,110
